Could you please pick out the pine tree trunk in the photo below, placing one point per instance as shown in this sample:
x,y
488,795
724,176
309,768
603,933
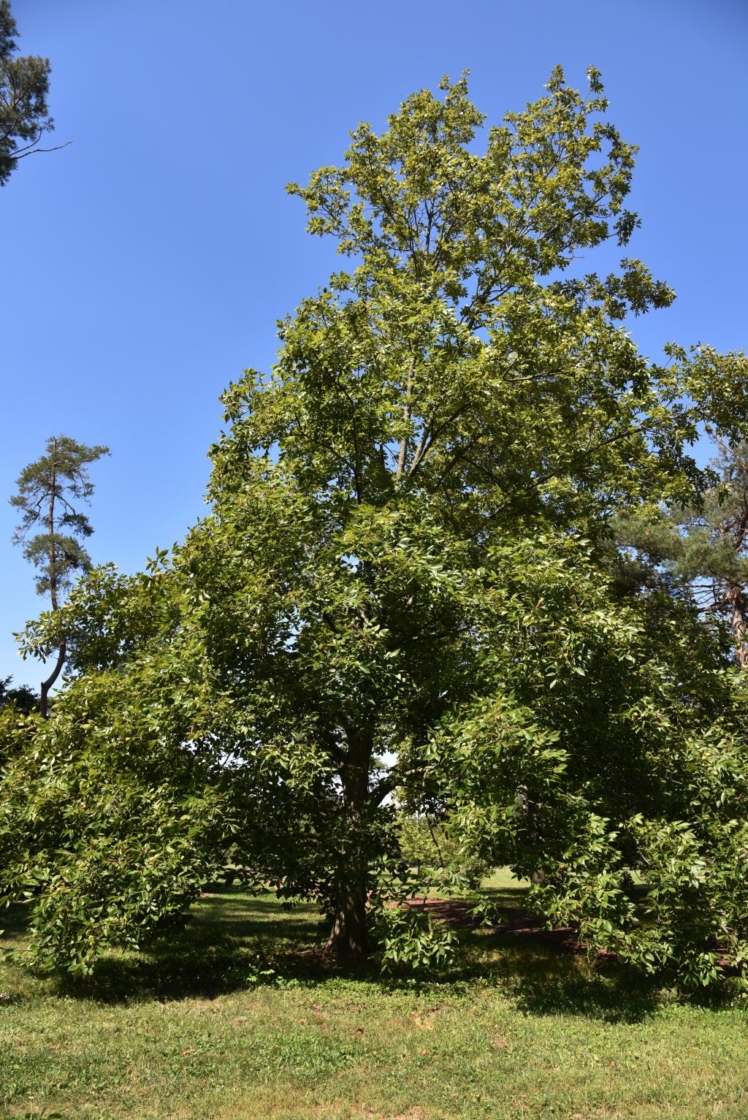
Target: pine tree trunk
x,y
52,530
47,685
736,599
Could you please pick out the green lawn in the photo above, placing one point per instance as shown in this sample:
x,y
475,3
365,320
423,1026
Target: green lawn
x,y
236,1018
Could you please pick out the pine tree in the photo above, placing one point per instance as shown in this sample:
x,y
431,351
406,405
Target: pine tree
x,y
47,489
24,85
704,548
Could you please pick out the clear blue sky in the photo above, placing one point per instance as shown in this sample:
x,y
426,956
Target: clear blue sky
x,y
146,265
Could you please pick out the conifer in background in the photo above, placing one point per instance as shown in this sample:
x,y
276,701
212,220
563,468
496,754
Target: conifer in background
x,y
704,547
52,527
24,85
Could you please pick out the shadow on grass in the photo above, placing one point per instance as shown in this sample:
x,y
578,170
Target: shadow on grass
x,y
14,920
233,941
548,977
609,991
229,942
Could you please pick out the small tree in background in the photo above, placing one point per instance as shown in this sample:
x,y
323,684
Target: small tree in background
x,y
21,698
24,85
47,490
704,548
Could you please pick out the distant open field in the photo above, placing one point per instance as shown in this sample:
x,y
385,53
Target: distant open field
x,y
239,1017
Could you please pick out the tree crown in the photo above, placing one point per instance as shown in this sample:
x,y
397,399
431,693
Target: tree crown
x,y
47,490
24,85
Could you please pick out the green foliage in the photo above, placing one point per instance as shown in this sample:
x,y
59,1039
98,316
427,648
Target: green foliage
x,y
24,84
21,698
406,586
410,940
426,841
112,812
611,766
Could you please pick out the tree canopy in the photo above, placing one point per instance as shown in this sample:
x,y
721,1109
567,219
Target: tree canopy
x,y
407,584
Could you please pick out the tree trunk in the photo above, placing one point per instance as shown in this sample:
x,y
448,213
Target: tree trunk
x,y
348,936
736,599
348,940
52,529
46,685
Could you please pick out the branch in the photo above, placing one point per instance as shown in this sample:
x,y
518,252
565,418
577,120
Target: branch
x,y
29,150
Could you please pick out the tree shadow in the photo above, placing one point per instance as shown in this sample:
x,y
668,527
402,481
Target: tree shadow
x,y
230,941
545,971
14,921
233,941
604,990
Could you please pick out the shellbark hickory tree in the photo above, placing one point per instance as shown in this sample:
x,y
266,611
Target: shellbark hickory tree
x,y
407,591
450,423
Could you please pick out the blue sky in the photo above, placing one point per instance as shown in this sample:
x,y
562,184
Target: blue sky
x,y
147,263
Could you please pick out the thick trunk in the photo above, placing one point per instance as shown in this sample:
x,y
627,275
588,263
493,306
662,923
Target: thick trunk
x,y
348,937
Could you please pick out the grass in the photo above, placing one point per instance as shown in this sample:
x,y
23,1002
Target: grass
x,y
237,1017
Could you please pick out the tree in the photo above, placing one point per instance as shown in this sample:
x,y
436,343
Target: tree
x,y
704,546
21,697
451,394
24,85
404,584
46,491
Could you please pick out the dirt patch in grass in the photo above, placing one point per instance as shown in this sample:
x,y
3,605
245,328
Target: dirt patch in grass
x,y
523,926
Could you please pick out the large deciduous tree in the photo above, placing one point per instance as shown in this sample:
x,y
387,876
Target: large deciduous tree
x,y
47,489
404,584
450,396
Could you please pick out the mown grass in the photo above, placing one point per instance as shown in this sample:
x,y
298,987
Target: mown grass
x,y
238,1017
